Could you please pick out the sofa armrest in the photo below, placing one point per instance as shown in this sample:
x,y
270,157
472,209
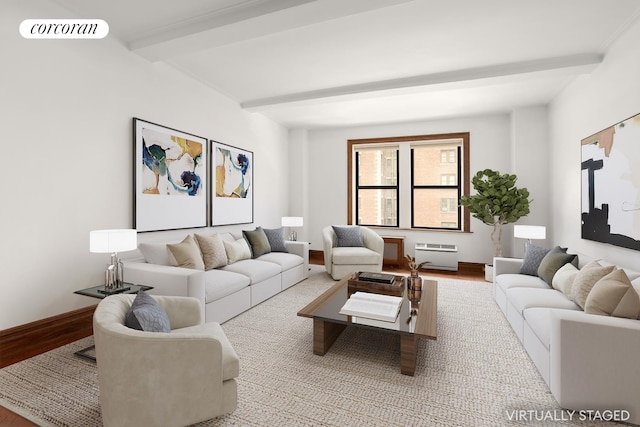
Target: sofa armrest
x,y
301,249
503,265
182,311
167,280
372,240
591,361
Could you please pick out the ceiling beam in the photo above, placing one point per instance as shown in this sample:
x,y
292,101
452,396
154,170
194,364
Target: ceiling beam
x,y
567,65
249,20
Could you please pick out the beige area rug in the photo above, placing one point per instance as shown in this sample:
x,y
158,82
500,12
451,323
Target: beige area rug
x,y
475,374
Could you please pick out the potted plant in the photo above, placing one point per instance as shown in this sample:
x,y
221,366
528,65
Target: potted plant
x,y
497,202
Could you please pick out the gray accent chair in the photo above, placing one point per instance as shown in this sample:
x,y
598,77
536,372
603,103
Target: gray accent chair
x,y
341,261
163,379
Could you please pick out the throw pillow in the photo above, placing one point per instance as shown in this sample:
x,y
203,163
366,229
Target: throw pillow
x,y
552,262
585,279
257,241
348,236
276,239
532,257
146,314
213,253
564,278
155,253
613,295
237,250
186,254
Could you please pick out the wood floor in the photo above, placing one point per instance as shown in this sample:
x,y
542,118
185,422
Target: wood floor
x,y
465,272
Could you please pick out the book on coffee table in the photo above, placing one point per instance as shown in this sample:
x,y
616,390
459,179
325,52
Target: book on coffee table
x,y
388,279
372,306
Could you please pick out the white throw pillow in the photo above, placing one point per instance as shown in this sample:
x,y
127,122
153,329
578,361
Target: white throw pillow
x,y
563,279
237,250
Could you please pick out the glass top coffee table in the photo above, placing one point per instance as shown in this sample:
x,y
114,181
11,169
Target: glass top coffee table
x,y
417,319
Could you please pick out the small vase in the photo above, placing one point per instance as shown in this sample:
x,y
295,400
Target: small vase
x,y
414,286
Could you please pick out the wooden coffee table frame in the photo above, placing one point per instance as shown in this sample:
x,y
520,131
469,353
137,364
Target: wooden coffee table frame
x,y
326,331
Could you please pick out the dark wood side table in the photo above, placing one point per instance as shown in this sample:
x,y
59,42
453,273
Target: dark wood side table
x,y
391,258
101,293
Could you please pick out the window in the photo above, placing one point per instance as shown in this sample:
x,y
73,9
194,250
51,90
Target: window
x,y
409,182
377,186
448,156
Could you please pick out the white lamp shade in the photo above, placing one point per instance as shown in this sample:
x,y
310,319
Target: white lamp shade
x,y
109,241
292,221
533,232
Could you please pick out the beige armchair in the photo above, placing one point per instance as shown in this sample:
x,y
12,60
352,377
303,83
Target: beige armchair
x,y
340,261
163,379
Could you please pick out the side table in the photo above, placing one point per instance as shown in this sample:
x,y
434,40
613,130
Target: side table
x,y
100,292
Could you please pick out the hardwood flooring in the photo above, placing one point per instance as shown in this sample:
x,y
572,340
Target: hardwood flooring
x,y
466,272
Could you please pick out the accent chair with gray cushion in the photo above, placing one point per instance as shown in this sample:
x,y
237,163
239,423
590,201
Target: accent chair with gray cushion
x,y
171,378
351,248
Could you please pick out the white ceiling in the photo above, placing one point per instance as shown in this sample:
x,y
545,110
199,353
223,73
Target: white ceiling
x,y
323,63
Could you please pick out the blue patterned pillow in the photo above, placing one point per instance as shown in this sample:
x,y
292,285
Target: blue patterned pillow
x,y
146,314
348,236
532,258
276,239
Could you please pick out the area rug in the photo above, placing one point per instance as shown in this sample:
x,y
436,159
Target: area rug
x,y
476,373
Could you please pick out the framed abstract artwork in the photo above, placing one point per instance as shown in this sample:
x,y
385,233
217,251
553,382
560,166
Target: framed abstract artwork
x,y
170,178
611,185
231,185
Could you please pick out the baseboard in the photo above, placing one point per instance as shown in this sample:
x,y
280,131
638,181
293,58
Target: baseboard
x,y
31,339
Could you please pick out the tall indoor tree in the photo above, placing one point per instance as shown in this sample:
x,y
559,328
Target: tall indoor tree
x,y
497,202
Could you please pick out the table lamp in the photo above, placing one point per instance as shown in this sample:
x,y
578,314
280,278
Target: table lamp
x,y
292,221
530,232
113,241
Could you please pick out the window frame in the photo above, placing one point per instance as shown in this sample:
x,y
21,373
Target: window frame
x,y
378,187
463,162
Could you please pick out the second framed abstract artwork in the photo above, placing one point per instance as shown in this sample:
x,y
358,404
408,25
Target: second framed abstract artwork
x,y
231,185
170,178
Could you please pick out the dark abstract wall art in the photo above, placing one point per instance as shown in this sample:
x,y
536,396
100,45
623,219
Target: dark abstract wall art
x,y
170,174
611,185
232,185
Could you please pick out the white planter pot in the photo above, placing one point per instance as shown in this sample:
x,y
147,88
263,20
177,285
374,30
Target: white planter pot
x,y
488,272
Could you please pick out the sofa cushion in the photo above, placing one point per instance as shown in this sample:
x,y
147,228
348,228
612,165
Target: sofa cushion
x,y
532,257
354,255
254,269
524,298
613,295
539,320
276,239
563,279
186,254
237,250
213,252
257,241
146,314
552,262
348,236
230,359
286,261
219,283
155,253
507,281
585,279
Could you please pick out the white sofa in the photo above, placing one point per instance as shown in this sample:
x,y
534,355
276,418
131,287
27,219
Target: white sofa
x,y
589,362
227,291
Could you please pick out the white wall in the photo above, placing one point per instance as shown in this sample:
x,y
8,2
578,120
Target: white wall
x,y
67,109
327,178
594,102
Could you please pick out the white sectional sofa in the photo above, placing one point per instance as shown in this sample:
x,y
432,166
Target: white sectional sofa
x,y
223,292
589,361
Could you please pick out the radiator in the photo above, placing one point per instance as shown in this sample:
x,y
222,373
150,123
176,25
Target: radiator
x,y
441,256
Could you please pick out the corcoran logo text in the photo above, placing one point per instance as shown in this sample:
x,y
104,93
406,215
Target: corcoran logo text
x,y
64,29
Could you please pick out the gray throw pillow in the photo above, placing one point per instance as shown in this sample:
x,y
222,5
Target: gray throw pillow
x,y
348,235
147,315
257,241
532,258
275,236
